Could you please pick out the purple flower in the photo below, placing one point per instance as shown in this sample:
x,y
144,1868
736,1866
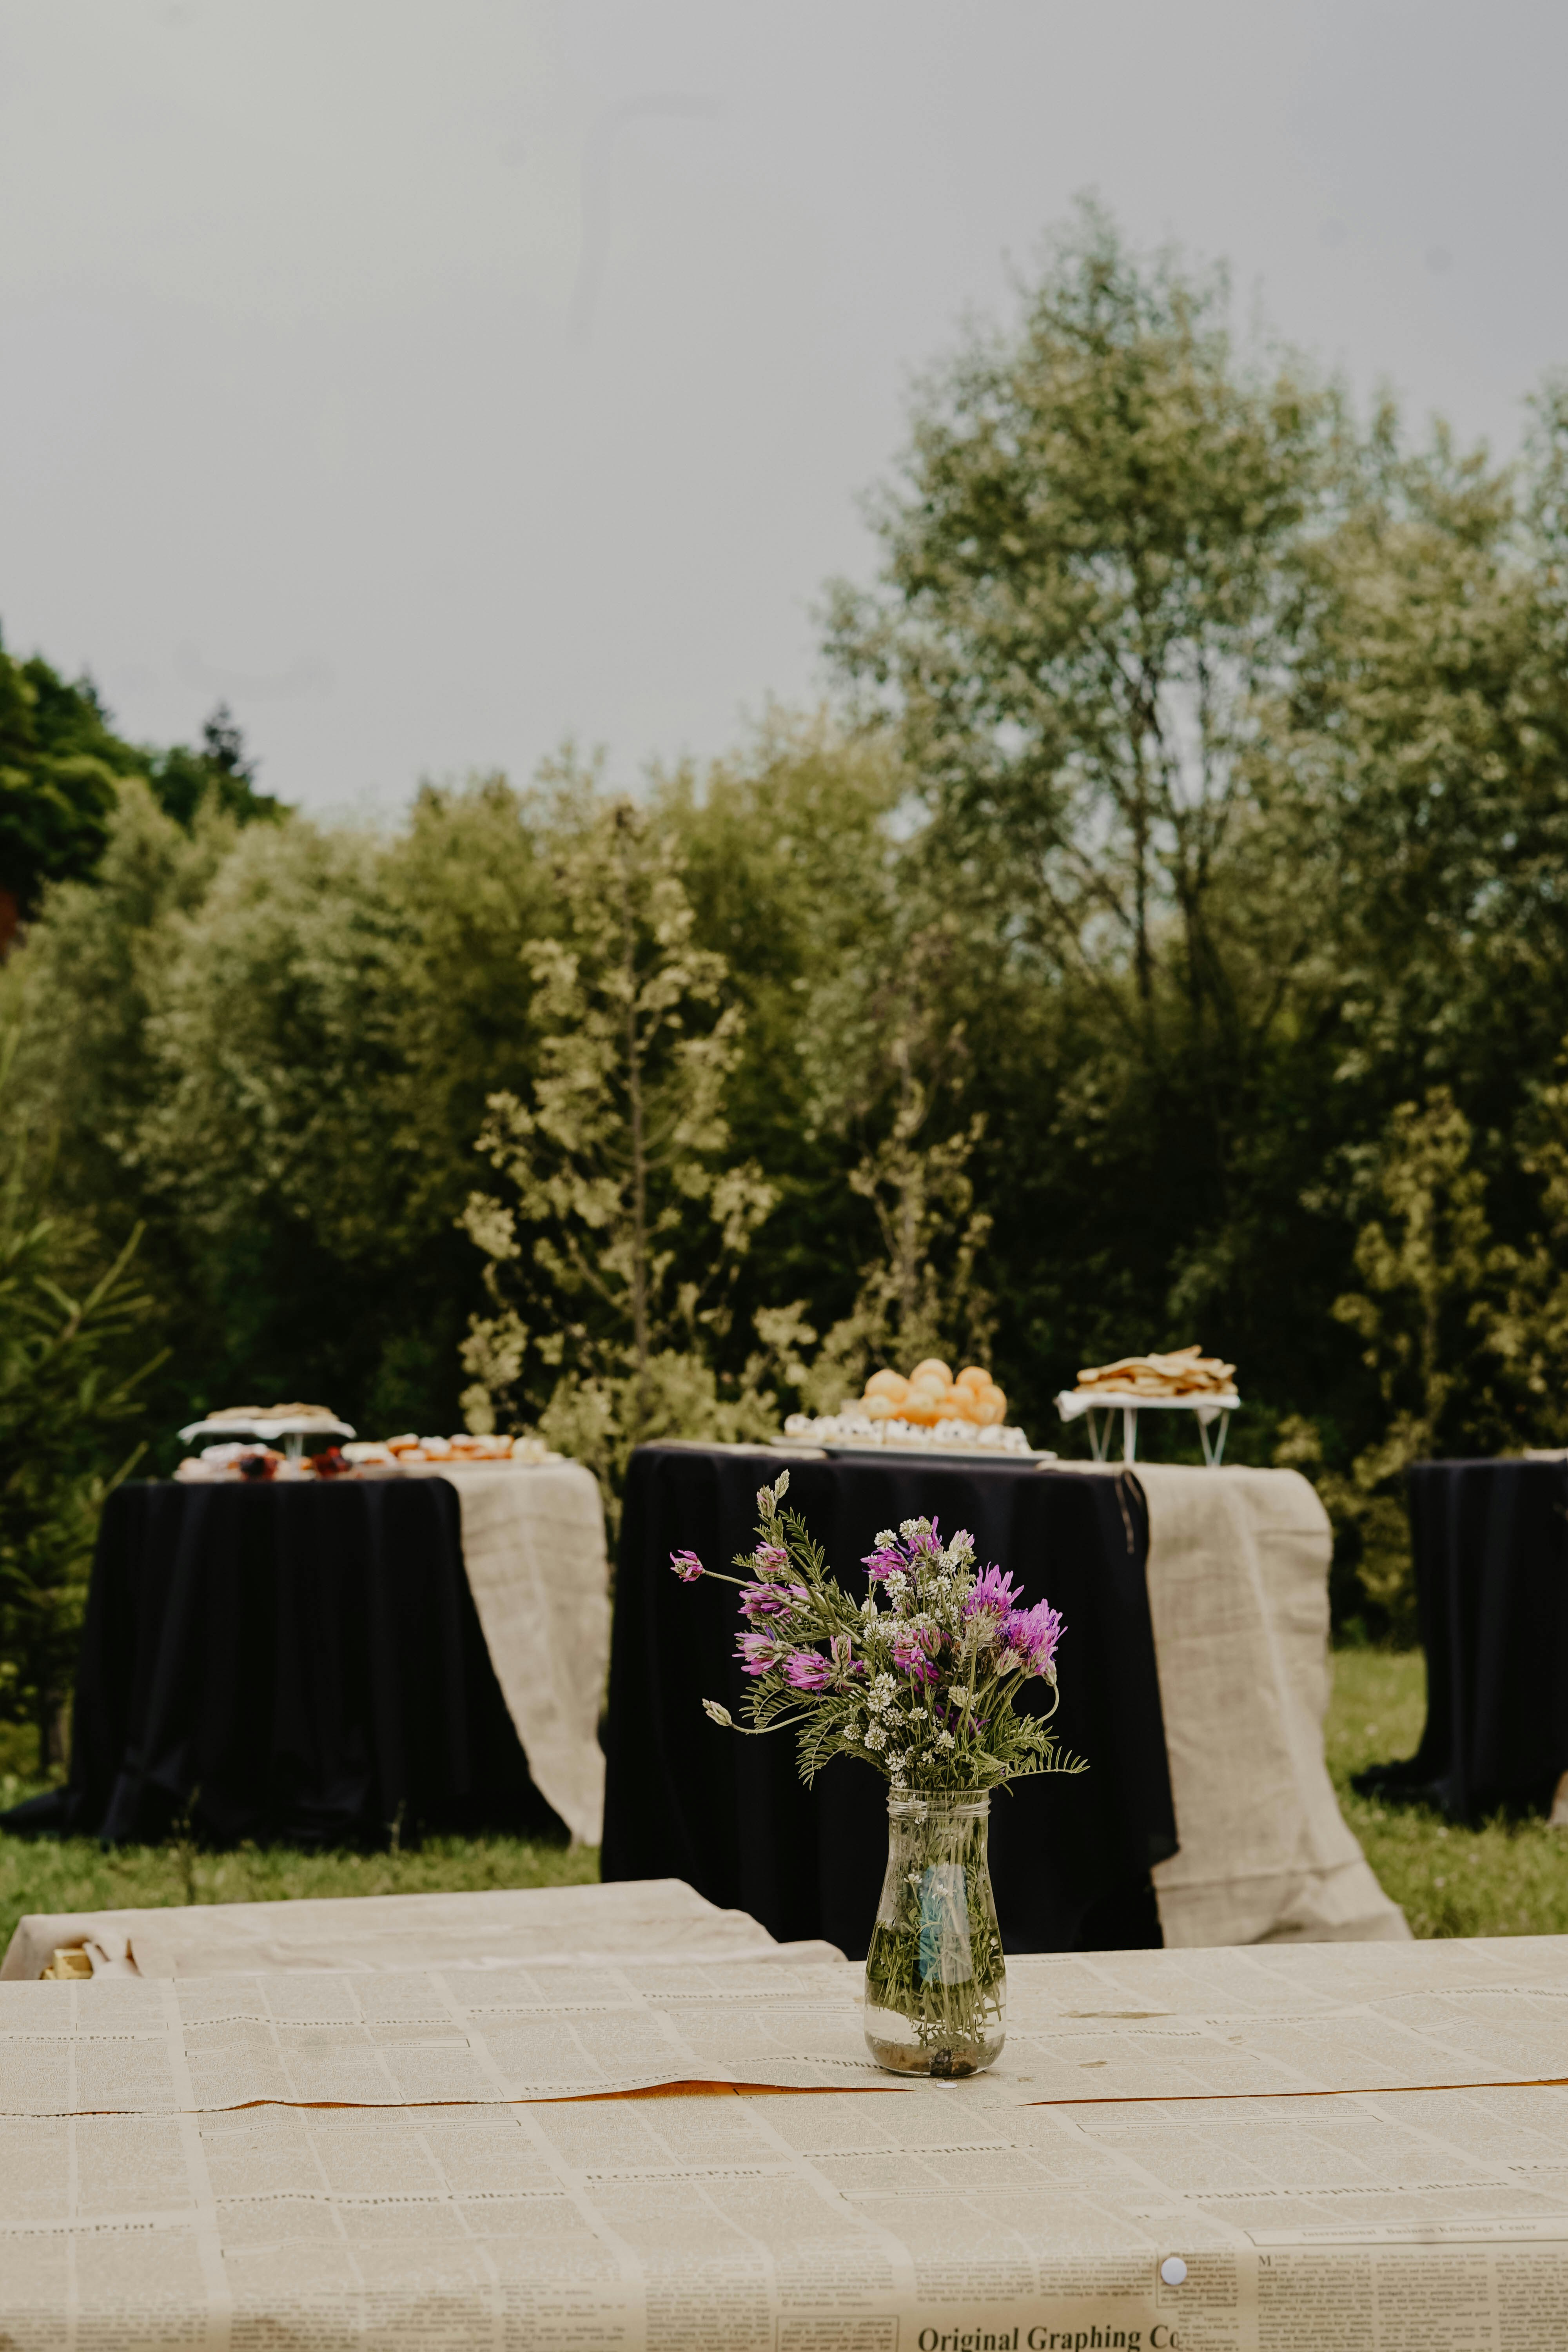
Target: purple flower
x,y
771,1599
808,1670
756,1652
1034,1633
888,1560
993,1593
686,1566
772,1560
913,1654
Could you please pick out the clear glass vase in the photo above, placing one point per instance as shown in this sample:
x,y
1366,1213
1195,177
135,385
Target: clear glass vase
x,y
936,1983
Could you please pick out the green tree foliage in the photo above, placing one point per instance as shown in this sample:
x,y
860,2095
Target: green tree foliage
x,y
610,1252
56,787
61,769
65,1383
218,774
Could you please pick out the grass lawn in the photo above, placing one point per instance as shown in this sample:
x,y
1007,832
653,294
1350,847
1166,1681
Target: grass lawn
x,y
1505,1879
76,1874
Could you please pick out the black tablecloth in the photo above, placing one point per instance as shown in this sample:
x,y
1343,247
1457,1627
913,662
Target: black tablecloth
x,y
1070,1858
1491,1544
306,1656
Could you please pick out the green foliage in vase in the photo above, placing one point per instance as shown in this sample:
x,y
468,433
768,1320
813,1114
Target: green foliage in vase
x,y
935,1972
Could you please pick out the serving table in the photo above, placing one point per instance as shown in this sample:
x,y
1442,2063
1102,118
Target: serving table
x,y
1490,1548
1194,1678
316,1661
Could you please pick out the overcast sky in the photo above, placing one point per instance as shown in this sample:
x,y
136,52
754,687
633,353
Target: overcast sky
x,y
434,379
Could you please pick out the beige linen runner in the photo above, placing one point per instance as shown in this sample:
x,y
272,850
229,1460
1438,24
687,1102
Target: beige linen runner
x,y
1238,1563
533,1545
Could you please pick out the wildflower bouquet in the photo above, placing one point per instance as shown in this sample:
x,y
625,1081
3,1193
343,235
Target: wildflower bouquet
x,y
919,1678
922,1678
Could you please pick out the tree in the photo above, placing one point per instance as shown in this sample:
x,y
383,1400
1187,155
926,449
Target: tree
x,y
1085,585
609,1259
220,774
57,786
1425,1319
64,1386
62,767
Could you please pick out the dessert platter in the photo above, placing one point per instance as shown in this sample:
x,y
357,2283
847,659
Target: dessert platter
x,y
244,1442
1186,1381
929,1412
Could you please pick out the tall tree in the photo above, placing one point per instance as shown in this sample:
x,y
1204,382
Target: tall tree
x,y
610,1252
1085,583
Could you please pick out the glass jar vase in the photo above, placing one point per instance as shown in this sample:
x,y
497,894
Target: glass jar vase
x,y
936,1983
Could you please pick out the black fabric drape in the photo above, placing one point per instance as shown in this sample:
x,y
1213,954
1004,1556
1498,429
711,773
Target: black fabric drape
x,y
306,1657
1070,1858
1491,1544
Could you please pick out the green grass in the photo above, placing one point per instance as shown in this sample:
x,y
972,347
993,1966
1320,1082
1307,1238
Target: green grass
x,y
1507,1878
77,1874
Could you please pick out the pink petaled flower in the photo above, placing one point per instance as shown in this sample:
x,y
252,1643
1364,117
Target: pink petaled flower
x,y
756,1652
993,1593
888,1562
808,1670
925,1543
771,1599
913,1654
772,1560
1033,1635
686,1566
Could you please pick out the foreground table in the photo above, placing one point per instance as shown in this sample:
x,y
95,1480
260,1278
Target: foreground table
x,y
1490,1546
304,1662
1332,2146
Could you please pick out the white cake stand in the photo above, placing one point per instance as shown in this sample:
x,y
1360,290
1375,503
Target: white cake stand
x,y
266,1428
1075,1404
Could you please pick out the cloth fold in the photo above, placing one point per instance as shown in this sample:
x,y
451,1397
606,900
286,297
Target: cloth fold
x,y
1238,1562
534,1549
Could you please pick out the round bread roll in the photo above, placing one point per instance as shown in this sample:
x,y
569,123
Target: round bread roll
x,y
880,1408
932,1364
887,1383
923,1410
973,1376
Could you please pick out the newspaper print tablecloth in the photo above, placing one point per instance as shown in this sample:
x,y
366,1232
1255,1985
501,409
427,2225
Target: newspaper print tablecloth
x,y
1232,2208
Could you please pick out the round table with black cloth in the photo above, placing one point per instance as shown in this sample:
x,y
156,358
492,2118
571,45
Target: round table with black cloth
x,y
1491,1547
1069,1857
303,1661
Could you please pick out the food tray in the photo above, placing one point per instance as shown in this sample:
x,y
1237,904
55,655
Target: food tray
x,y
904,1452
1073,1404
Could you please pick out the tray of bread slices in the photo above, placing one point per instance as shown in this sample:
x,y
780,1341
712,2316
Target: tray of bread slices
x,y
929,1411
